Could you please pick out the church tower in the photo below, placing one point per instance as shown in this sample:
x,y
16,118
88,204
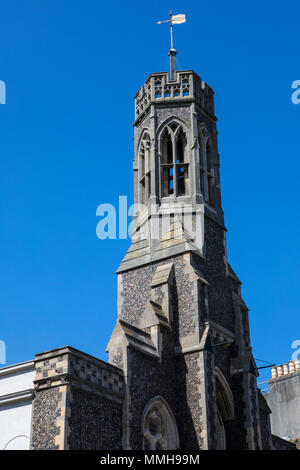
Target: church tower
x,y
182,333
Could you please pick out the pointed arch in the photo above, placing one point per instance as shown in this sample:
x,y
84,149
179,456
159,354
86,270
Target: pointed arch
x,y
206,152
225,407
168,122
144,167
145,130
167,146
224,396
174,157
159,429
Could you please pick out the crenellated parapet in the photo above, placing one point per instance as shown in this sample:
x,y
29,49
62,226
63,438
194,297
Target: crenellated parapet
x,y
187,86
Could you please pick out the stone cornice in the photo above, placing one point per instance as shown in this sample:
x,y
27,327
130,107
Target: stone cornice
x,y
16,368
69,366
11,398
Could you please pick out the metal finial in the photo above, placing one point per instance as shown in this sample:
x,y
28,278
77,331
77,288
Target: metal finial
x,y
174,19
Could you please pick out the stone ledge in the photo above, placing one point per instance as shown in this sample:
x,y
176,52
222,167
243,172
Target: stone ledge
x,y
68,366
10,398
70,350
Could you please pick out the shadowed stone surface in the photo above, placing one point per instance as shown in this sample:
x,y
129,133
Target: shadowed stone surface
x,y
45,411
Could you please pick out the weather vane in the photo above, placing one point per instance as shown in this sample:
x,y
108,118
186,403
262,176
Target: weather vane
x,y
174,19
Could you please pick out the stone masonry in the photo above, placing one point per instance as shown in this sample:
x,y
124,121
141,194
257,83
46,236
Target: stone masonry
x,y
77,398
183,329
181,373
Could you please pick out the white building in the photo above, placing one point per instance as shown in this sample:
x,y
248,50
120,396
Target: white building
x,y
16,393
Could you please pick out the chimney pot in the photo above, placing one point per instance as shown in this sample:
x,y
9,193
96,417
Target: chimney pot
x,y
292,366
279,371
286,369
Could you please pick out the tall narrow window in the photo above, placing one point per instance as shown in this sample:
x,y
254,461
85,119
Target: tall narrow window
x,y
145,169
206,167
181,164
142,174
210,173
203,291
174,161
221,436
167,164
224,407
148,167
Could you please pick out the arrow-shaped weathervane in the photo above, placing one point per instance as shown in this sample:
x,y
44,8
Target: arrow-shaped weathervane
x,y
174,19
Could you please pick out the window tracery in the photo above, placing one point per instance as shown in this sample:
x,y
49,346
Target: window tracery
x,y
174,161
207,179
145,168
159,428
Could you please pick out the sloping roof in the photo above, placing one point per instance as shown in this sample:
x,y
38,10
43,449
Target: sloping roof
x,y
262,403
175,240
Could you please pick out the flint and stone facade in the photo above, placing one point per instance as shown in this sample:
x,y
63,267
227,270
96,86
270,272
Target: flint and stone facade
x,y
181,374
183,331
78,402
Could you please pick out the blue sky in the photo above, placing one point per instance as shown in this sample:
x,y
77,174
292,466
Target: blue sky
x,y
72,69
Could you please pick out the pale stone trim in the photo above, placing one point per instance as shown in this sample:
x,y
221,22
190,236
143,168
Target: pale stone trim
x,y
16,397
172,436
17,368
62,421
203,402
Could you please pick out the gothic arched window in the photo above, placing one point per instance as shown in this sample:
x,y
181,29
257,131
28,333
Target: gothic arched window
x,y
206,166
174,161
159,428
210,171
145,169
221,436
181,163
167,164
225,407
